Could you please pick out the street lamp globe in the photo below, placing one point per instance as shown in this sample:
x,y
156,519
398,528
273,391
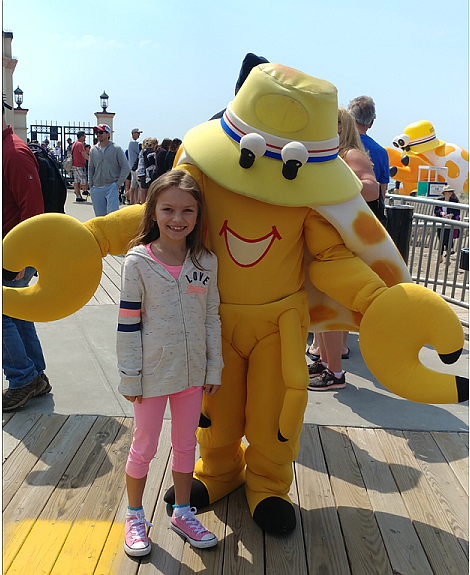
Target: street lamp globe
x,y
104,100
18,97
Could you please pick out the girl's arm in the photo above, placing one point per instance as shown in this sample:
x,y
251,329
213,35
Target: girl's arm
x,y
129,335
213,334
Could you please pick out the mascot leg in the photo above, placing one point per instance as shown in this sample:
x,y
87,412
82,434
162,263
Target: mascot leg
x,y
221,467
269,460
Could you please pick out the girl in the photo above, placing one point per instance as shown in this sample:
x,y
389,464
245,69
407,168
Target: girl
x,y
168,346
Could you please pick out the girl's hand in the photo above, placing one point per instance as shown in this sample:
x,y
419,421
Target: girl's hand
x,y
211,389
132,398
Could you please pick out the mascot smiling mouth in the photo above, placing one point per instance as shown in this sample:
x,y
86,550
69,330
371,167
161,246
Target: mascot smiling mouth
x,y
244,252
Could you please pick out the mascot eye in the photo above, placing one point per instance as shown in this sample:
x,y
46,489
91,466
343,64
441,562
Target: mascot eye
x,y
252,146
401,141
294,155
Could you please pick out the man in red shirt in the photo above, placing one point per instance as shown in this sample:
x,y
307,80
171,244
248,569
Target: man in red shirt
x,y
79,159
23,360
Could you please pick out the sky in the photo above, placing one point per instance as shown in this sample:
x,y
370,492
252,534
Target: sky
x,y
168,66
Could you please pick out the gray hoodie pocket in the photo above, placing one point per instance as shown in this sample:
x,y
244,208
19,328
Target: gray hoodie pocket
x,y
172,364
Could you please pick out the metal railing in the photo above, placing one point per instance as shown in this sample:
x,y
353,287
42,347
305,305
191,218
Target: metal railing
x,y
429,239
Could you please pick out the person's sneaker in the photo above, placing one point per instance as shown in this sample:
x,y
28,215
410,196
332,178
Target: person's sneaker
x,y
191,529
316,368
80,199
14,398
327,380
136,541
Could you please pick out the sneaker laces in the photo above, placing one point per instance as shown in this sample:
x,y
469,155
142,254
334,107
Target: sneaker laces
x,y
193,523
137,527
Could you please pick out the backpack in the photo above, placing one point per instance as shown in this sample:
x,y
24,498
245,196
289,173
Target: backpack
x,y
54,190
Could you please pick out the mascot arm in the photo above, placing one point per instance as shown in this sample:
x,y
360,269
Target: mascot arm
x,y
294,373
66,254
405,316
335,270
114,231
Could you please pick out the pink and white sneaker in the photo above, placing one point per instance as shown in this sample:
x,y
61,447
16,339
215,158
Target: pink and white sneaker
x,y
136,542
192,530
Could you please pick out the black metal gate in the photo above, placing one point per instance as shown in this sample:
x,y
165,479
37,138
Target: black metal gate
x,y
49,136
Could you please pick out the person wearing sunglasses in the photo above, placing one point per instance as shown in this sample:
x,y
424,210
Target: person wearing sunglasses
x,y
107,170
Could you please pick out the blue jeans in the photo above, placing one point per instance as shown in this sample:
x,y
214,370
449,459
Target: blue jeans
x,y
23,359
105,200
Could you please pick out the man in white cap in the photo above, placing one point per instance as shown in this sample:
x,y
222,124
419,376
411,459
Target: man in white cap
x,y
107,170
133,150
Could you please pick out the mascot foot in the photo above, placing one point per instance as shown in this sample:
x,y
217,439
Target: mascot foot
x,y
199,495
275,515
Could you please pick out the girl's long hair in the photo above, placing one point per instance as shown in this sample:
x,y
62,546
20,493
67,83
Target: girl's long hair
x,y
349,138
149,231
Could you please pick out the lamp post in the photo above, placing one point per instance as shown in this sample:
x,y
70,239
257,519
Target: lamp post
x,y
18,97
103,100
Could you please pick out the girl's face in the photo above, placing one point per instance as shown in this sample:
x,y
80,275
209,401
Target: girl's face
x,y
176,214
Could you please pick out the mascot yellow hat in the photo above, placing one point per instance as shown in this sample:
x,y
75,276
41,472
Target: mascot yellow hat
x,y
281,127
418,138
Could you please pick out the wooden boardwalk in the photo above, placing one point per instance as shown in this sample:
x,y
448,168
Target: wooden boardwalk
x,y
368,501
109,290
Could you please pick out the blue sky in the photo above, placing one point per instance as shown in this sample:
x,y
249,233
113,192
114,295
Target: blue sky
x,y
168,66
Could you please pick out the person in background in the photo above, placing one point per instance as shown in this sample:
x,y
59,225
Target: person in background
x,y
170,156
133,150
23,359
161,311
326,371
362,109
160,158
107,170
79,159
450,214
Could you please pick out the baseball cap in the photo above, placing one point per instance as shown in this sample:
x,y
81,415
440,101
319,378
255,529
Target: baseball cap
x,y
102,128
136,130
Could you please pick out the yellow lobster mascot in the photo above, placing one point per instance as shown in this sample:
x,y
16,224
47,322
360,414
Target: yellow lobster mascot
x,y
280,201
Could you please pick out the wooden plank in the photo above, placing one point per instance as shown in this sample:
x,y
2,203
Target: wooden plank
x,y
243,542
102,296
82,549
444,552
464,438
113,559
364,544
115,262
456,453
167,547
286,555
16,430
208,560
403,546
324,544
113,292
25,507
451,495
45,541
7,417
26,455
113,274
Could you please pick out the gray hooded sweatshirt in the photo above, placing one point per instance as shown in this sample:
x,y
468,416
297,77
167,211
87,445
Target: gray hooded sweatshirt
x,y
169,332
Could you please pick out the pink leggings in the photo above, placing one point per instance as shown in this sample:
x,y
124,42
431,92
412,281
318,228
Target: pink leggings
x,y
148,419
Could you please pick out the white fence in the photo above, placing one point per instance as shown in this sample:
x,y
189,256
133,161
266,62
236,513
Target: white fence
x,y
447,278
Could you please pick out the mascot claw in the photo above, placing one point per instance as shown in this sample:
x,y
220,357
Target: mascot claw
x,y
424,319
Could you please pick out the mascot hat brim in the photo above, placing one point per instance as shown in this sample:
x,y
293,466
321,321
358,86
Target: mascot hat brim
x,y
283,105
422,137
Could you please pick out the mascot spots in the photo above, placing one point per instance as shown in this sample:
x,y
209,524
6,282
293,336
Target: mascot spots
x,y
280,201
